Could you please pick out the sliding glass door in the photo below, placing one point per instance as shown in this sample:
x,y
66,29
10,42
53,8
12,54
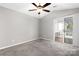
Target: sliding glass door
x,y
68,30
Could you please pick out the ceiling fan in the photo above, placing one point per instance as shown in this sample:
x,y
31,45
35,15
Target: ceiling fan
x,y
40,7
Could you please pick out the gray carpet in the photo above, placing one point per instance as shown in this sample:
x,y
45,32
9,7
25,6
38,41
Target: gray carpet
x,y
36,48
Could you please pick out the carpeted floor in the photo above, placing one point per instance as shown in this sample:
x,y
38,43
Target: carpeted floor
x,y
38,47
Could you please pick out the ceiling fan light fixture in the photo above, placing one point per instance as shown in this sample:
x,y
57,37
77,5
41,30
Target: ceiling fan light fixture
x,y
39,10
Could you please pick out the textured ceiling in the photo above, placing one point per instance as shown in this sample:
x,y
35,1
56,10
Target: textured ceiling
x,y
24,7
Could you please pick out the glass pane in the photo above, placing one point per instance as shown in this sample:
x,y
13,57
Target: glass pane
x,y
68,30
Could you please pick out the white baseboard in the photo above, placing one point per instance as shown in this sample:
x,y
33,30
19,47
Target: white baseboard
x,y
17,44
44,38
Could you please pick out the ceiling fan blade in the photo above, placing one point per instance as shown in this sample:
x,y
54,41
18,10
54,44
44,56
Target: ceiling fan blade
x,y
34,4
45,5
32,9
46,10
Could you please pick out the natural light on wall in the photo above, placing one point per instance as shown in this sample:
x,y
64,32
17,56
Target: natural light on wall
x,y
60,26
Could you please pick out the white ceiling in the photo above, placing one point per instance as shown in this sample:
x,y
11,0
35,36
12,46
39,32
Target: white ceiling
x,y
24,7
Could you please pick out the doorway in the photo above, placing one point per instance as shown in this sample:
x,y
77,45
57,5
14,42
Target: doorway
x,y
64,30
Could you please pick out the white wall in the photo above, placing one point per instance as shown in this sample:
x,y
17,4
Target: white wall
x,y
16,27
46,27
76,29
47,24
